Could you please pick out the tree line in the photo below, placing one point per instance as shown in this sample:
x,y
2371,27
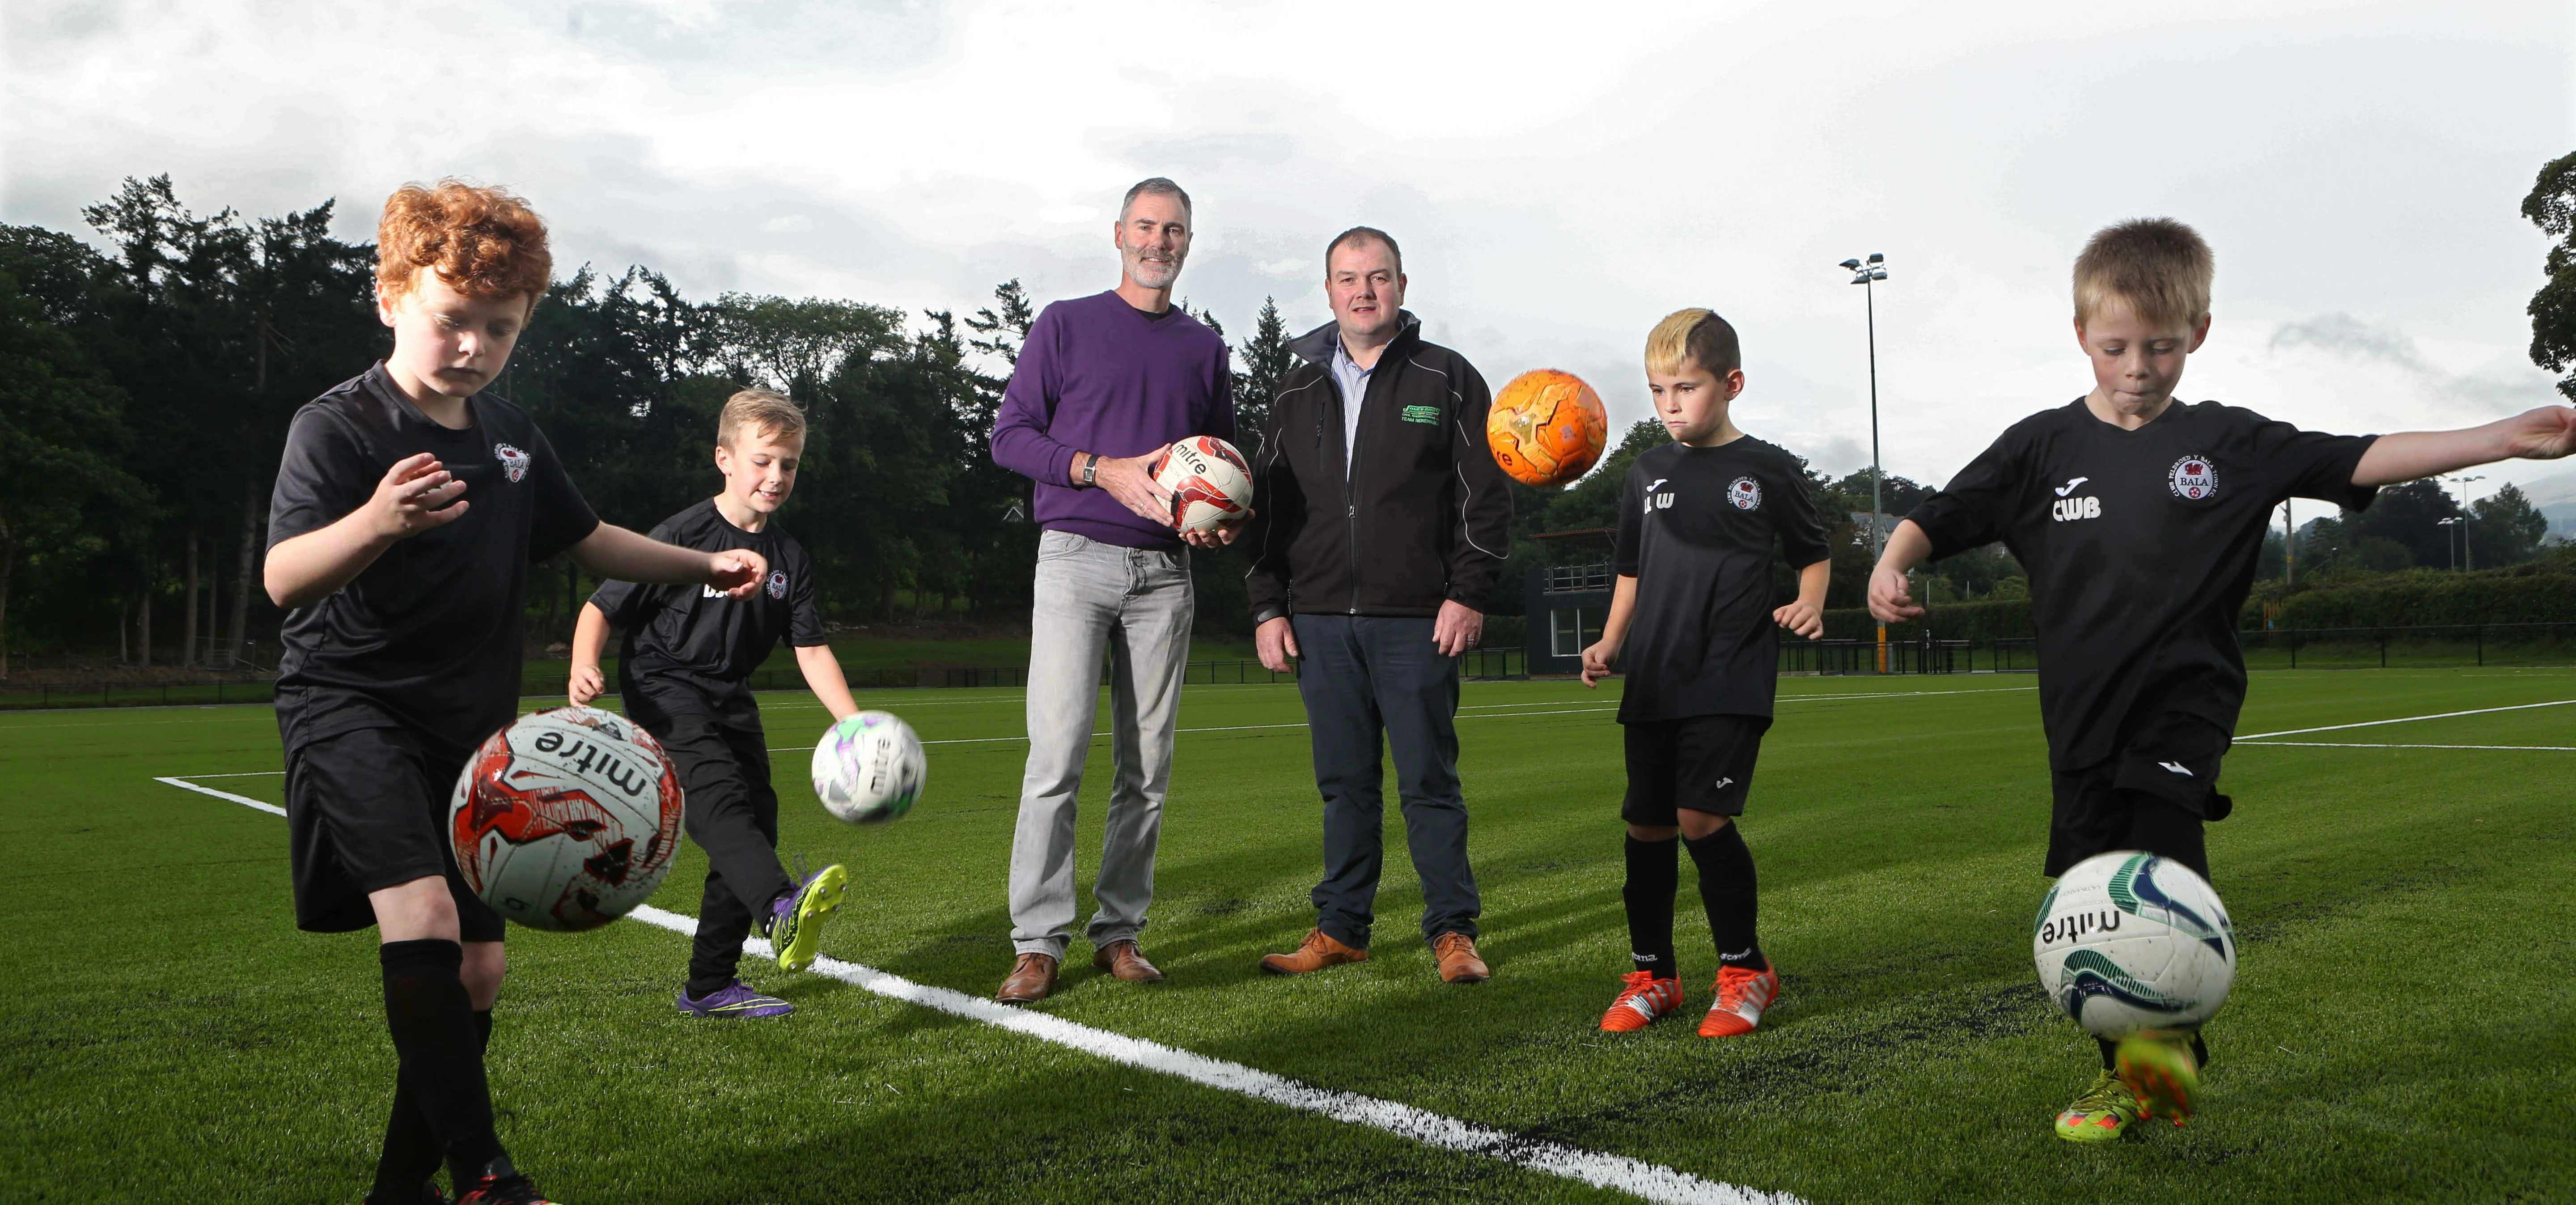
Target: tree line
x,y
148,372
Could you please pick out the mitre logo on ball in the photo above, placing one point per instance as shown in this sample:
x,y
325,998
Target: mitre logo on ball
x,y
566,819
1210,483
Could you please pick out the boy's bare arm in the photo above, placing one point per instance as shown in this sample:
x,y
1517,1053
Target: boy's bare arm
x,y
589,640
415,495
1806,616
615,553
822,673
1614,631
1891,597
2543,434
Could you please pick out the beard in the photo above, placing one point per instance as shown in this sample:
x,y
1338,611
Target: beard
x,y
1153,273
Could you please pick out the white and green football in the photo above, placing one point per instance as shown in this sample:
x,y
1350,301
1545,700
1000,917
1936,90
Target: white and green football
x,y
869,768
2132,941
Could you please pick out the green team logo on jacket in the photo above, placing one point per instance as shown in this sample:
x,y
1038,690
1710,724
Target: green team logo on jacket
x,y
1429,415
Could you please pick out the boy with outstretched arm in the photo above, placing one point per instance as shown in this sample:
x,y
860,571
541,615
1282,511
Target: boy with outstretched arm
x,y
684,670
408,506
1693,610
2138,521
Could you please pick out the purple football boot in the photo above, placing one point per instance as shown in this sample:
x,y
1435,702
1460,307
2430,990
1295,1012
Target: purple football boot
x,y
733,1000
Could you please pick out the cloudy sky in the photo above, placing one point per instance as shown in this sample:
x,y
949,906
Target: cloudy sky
x,y
1560,175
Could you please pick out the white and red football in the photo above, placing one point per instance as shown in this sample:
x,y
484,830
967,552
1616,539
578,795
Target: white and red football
x,y
1210,483
566,819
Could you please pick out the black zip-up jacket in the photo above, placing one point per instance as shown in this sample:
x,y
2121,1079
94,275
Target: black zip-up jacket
x,y
1423,516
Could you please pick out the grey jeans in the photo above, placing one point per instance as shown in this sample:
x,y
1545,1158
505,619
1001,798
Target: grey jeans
x,y
1134,606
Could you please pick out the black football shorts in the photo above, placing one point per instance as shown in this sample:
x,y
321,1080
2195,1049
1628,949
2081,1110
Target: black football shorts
x,y
2152,796
1702,764
367,810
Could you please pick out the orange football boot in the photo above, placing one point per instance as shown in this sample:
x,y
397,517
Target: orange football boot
x,y
1642,998
1741,997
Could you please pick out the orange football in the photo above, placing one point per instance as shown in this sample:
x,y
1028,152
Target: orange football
x,y
1547,427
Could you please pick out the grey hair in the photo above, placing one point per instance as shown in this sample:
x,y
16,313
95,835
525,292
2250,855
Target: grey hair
x,y
1159,186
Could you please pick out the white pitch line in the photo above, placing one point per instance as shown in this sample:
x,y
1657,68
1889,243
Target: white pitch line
x,y
2404,719
185,785
2349,745
1618,1173
1652,1182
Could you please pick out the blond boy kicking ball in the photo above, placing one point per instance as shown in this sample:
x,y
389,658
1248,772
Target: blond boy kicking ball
x,y
408,506
685,673
2138,521
1694,612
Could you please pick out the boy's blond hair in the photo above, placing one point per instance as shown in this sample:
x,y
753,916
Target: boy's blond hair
x,y
1698,336
764,410
2159,266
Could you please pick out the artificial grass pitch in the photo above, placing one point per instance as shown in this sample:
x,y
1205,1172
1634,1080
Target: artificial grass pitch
x,y
2400,1027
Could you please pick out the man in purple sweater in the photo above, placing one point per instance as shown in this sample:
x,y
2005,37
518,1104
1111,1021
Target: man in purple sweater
x,y
1104,384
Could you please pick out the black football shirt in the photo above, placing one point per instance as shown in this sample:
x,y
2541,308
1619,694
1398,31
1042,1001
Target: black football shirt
x,y
697,635
1696,529
2140,546
428,637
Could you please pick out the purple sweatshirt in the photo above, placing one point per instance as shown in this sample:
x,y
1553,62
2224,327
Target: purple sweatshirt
x,y
1100,375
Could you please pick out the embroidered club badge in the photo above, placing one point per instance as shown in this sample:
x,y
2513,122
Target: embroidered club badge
x,y
514,463
1745,493
2193,478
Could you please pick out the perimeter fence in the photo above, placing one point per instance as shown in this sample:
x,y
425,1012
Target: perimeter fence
x,y
551,679
2434,646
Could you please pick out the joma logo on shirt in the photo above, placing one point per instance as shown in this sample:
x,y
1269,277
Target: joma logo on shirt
x,y
2068,509
1655,501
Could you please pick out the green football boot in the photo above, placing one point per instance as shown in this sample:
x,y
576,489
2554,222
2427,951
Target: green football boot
x,y
2102,1114
2158,1066
796,920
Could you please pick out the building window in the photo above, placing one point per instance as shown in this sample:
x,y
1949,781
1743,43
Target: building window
x,y
1563,579
1573,629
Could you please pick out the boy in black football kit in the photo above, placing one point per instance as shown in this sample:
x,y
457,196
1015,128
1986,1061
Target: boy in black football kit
x,y
684,669
407,508
2138,521
1697,523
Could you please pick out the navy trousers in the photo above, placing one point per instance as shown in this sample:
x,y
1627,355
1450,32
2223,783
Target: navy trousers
x,y
1363,676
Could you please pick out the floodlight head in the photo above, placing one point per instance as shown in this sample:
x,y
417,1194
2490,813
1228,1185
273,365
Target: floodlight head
x,y
1852,264
1879,274
1876,258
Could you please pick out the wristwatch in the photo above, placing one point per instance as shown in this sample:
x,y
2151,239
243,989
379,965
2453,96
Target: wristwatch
x,y
1090,468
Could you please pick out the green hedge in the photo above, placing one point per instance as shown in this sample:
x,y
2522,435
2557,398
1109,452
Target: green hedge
x,y
2540,592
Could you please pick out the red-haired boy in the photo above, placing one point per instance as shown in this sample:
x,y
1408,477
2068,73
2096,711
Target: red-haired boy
x,y
408,506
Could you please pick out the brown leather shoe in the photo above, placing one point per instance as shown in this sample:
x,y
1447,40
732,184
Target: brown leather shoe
x,y
1318,951
1124,960
1032,979
1458,961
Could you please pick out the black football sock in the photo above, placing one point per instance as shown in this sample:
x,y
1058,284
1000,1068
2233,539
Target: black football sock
x,y
2110,1053
410,1156
1654,876
1726,891
441,1048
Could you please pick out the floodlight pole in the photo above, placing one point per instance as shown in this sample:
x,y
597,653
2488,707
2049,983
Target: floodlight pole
x,y
2446,525
1863,272
2467,558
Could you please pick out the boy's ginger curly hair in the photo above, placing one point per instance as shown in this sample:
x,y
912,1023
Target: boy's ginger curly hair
x,y
484,242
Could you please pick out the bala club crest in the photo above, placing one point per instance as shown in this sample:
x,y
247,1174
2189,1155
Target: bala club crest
x,y
514,463
1745,493
2193,479
777,583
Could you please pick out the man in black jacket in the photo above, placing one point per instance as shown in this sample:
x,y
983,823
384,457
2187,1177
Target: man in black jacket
x,y
1383,521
